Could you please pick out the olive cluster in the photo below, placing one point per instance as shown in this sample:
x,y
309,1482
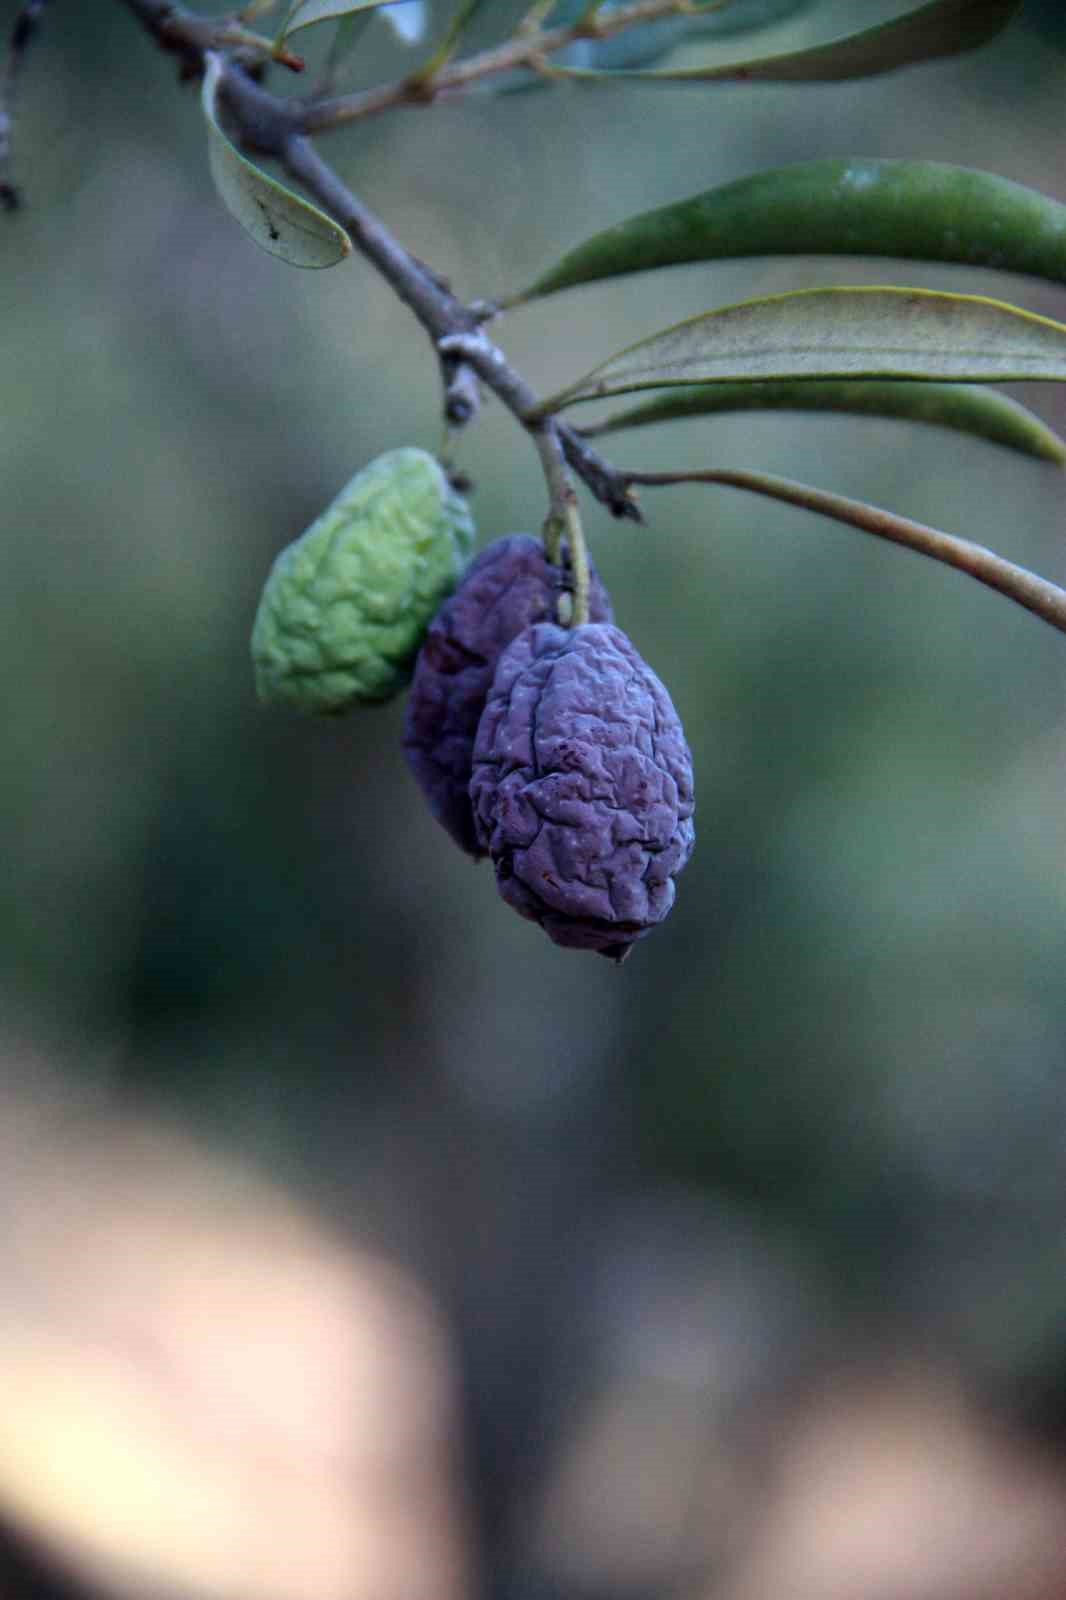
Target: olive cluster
x,y
555,751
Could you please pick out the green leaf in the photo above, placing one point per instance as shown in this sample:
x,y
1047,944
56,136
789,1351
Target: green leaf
x,y
279,221
306,12
917,210
1045,600
837,333
962,406
940,28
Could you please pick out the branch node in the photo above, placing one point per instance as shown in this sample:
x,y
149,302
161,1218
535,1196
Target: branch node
x,y
462,397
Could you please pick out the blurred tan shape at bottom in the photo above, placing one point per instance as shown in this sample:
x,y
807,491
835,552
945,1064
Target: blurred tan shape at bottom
x,y
201,1391
897,1490
877,1486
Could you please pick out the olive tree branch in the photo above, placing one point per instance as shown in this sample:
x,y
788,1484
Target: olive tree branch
x,y
272,126
460,340
1038,595
604,481
279,128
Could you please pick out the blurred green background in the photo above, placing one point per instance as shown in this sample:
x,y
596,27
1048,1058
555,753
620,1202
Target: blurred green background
x,y
844,1052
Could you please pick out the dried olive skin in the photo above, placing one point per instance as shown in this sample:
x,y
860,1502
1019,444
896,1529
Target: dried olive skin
x,y
507,588
582,787
346,606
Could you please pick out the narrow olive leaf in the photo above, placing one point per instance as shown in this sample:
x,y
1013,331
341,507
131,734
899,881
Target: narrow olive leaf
x,y
278,220
965,407
940,28
913,210
307,12
1038,595
837,333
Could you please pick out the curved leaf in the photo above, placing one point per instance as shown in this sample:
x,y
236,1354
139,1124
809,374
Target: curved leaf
x,y
307,12
965,407
280,221
914,210
837,333
940,28
1044,599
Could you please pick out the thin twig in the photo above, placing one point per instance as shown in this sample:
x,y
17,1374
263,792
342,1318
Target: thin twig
x,y
188,35
1038,595
527,48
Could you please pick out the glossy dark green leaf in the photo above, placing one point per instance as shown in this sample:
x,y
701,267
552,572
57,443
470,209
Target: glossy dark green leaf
x,y
914,210
280,221
940,28
837,333
966,407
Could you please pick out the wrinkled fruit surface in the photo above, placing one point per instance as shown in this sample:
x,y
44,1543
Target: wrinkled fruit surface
x,y
345,607
582,787
509,587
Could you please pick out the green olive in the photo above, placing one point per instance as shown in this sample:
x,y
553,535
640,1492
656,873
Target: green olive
x,y
345,606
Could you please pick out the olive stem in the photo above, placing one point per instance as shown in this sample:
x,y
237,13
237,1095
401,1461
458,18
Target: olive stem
x,y
563,520
551,534
579,561
1038,595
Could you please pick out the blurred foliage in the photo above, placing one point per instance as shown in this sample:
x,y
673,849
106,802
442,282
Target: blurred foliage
x,y
852,1027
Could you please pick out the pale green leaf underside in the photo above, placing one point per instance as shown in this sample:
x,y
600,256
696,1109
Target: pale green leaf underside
x,y
278,220
913,210
306,12
965,407
838,333
941,28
